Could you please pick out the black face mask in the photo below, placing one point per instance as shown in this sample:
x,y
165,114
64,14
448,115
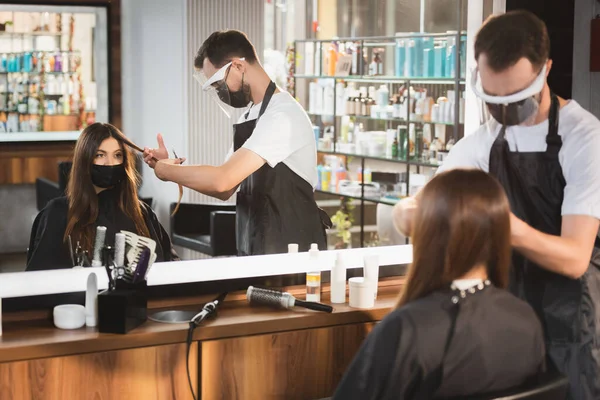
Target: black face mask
x,y
237,99
514,113
106,176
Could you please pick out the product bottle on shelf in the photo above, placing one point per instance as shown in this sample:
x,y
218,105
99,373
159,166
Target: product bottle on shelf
x,y
367,175
433,150
58,61
332,54
400,56
395,148
403,143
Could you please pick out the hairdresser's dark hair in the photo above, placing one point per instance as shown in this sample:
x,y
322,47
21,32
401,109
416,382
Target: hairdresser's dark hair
x,y
462,222
81,195
222,46
507,38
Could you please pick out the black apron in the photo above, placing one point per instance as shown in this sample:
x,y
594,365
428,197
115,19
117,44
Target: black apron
x,y
569,309
275,206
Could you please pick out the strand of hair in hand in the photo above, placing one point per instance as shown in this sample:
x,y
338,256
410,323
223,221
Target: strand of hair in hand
x,y
136,147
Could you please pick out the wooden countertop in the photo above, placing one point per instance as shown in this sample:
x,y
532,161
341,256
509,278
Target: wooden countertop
x,y
33,339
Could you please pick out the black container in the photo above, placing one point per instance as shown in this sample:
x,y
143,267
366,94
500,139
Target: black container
x,y
124,308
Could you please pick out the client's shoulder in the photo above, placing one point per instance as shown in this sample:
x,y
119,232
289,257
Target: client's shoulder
x,y
501,298
58,206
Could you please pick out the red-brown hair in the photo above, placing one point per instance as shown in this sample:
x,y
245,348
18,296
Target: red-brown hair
x,y
462,221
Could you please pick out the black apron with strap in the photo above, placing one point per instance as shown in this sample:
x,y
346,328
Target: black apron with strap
x,y
569,309
275,206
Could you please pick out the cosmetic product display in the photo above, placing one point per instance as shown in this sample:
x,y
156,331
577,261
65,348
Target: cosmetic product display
x,y
361,293
69,316
313,279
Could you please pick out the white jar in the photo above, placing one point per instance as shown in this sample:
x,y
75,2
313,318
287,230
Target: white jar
x,y
361,293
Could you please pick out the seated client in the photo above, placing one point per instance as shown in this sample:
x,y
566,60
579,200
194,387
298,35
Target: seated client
x,y
102,191
455,331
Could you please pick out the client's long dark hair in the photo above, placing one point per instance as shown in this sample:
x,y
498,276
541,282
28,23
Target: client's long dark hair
x,y
462,221
81,195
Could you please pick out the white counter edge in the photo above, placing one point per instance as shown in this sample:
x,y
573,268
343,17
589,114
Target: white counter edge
x,y
35,283
39,136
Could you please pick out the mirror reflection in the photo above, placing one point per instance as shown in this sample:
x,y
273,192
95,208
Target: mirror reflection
x,y
350,143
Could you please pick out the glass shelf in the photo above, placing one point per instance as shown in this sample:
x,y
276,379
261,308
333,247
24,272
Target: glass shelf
x,y
39,73
383,200
390,79
398,120
386,159
32,34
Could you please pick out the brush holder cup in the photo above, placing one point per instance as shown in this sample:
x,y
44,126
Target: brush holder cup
x,y
124,308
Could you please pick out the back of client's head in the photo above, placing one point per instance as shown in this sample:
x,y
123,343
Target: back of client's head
x,y
81,193
462,223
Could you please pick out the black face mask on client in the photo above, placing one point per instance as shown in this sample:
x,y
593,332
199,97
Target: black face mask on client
x,y
106,176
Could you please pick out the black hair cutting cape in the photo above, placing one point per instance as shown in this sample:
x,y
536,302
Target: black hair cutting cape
x,y
47,250
497,344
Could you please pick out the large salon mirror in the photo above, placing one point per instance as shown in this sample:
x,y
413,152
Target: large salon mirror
x,y
361,213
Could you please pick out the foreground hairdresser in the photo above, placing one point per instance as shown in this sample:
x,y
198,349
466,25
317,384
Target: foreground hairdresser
x,y
102,191
454,318
544,151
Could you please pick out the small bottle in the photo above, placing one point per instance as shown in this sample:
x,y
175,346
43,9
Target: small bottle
x,y
395,148
450,144
367,175
338,281
293,248
313,279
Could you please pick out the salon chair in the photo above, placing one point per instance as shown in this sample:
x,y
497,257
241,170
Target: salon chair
x,y
548,386
208,229
46,189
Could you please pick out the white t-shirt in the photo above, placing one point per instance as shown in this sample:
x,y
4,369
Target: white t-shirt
x,y
284,134
579,155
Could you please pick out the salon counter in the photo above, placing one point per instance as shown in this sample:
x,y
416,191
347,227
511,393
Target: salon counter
x,y
245,353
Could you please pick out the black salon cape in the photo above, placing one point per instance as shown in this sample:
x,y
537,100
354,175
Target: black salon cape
x,y
48,251
498,343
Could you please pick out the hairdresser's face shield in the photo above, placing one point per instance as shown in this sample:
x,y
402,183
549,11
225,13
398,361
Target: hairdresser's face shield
x,y
216,87
520,108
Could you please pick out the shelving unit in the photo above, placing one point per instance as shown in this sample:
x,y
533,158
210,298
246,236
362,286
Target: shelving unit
x,y
437,84
40,76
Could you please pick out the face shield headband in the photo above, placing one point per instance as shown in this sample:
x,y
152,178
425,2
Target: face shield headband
x,y
216,87
516,109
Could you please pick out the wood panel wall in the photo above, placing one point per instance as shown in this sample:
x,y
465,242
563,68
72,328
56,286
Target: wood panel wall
x,y
22,163
150,373
305,364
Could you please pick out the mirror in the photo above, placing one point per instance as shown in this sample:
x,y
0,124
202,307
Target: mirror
x,y
359,220
53,81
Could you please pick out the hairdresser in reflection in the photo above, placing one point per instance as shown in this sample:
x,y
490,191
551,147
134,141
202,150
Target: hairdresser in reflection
x,y
102,191
273,160
454,323
545,151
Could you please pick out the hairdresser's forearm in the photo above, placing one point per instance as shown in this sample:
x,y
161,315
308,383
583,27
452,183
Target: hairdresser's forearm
x,y
205,179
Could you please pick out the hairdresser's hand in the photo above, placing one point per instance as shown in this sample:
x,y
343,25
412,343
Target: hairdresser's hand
x,y
161,153
161,168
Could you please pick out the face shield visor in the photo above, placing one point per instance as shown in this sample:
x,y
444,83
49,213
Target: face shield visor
x,y
519,108
216,87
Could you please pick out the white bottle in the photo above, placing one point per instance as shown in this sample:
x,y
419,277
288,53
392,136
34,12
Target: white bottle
x,y
383,96
313,279
338,281
91,301
340,99
293,248
328,100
